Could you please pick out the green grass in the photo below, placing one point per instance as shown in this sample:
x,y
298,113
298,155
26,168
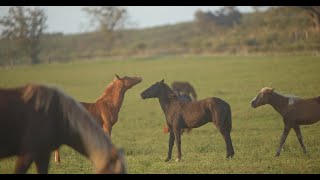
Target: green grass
x,y
236,79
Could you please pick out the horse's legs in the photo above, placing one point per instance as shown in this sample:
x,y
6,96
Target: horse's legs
x,y
283,139
177,134
171,143
23,163
300,138
57,156
229,147
42,162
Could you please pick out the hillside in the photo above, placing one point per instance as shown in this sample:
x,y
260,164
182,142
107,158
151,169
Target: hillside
x,y
278,30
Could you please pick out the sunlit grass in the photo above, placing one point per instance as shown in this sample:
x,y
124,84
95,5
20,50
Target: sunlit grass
x,y
236,79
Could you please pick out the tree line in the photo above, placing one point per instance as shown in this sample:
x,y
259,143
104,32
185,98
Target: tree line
x,y
24,28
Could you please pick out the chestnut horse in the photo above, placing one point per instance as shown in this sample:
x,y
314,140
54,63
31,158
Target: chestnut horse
x,y
36,119
193,114
294,111
107,106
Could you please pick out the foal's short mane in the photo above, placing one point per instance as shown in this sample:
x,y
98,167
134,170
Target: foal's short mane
x,y
266,89
107,91
73,116
291,97
171,94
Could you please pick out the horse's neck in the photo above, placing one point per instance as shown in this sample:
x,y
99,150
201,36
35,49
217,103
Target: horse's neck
x,y
93,147
279,103
88,141
166,98
115,98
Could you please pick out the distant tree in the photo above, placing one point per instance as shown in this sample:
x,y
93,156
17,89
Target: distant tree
x,y
228,16
314,14
24,26
107,19
204,20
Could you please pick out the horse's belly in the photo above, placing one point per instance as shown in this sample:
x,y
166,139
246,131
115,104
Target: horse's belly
x,y
308,121
196,121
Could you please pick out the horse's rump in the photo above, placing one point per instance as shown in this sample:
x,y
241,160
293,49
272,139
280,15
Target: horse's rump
x,y
318,99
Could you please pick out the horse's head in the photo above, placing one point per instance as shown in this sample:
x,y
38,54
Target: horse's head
x,y
116,165
128,82
153,91
263,97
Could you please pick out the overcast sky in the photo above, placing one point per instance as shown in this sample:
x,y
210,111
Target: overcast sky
x,y
71,19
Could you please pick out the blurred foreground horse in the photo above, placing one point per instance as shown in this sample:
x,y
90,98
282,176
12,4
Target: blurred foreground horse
x,y
36,119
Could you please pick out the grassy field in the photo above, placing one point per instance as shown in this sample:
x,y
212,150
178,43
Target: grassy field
x,y
236,79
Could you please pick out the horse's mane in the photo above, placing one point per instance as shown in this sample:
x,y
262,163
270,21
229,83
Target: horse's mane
x,y
170,92
107,91
290,96
74,116
266,89
40,95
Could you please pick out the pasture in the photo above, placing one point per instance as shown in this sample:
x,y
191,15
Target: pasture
x,y
236,79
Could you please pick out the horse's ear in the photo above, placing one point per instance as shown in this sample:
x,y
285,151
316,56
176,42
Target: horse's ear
x,y
117,77
162,81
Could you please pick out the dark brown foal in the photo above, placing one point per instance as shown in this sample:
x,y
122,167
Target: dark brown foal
x,y
193,114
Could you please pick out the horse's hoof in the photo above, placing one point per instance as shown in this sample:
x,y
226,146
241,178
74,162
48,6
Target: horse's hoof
x,y
177,160
167,160
230,156
277,155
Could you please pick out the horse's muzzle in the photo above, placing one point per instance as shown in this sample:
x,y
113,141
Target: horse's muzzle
x,y
253,104
142,96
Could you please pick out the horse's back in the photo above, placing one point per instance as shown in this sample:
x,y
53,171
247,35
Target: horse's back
x,y
306,111
11,106
317,99
95,109
216,102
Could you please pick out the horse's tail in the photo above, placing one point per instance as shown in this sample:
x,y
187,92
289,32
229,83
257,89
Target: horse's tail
x,y
229,119
227,127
